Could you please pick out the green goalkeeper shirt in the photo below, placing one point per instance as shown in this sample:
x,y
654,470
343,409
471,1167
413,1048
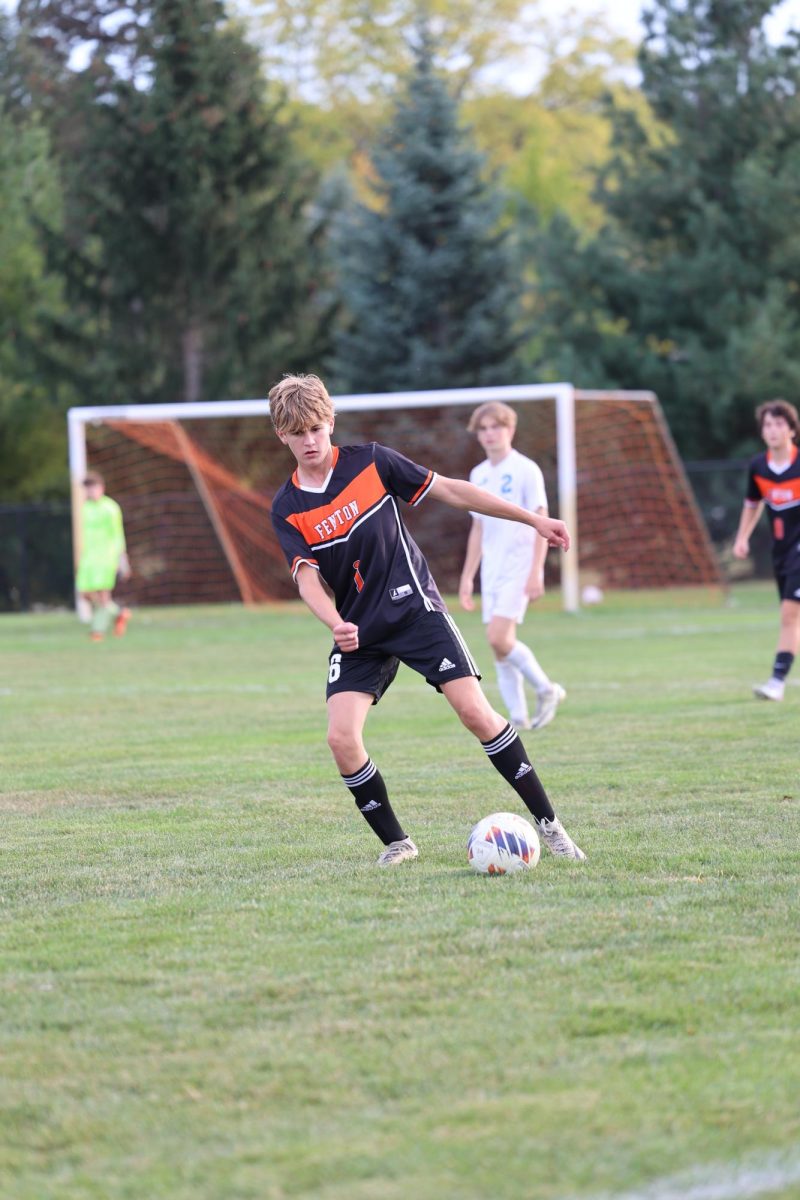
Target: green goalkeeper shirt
x,y
103,532
103,543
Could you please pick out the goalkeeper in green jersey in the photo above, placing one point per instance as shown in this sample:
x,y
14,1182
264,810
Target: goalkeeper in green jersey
x,y
103,557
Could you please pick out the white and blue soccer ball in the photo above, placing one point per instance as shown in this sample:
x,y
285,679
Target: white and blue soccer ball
x,y
502,844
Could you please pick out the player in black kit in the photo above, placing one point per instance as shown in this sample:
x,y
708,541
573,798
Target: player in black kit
x,y
774,481
337,519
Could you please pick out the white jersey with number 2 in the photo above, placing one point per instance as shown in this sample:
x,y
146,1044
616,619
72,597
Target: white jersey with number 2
x,y
507,546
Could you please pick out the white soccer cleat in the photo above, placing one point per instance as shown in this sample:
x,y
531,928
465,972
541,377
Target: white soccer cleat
x,y
547,705
771,690
397,852
557,840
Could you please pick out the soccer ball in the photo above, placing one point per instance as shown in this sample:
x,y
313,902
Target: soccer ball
x,y
592,594
502,844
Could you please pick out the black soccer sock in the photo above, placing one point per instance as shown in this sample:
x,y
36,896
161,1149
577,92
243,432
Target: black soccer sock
x,y
783,664
372,802
507,753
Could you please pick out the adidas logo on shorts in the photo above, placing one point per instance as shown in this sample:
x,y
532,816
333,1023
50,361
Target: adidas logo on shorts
x,y
446,665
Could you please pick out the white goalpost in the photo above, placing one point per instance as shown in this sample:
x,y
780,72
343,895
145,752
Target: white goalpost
x,y
195,480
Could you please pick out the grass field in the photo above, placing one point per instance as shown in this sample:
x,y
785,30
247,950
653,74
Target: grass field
x,y
209,991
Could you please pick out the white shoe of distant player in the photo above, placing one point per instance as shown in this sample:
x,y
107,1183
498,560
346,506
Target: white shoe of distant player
x,y
397,852
771,690
557,840
547,705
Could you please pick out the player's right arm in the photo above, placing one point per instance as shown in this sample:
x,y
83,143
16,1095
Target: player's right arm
x,y
314,596
747,523
535,585
472,561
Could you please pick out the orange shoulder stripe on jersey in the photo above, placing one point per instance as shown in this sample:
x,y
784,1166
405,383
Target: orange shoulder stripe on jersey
x,y
335,519
778,493
419,491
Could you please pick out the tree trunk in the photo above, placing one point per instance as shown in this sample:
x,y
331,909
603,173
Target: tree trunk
x,y
192,363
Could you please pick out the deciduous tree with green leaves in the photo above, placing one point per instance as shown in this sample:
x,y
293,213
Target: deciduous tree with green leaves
x,y
531,84
192,246
334,52
691,286
427,275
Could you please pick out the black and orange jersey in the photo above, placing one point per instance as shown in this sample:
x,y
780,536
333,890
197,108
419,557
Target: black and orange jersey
x,y
351,531
780,492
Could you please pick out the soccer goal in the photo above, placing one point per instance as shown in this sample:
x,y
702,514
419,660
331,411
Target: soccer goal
x,y
195,483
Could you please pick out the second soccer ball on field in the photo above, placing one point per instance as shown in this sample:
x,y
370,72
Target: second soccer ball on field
x,y
502,844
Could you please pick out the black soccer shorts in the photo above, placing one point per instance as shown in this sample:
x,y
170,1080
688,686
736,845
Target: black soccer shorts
x,y
788,583
431,645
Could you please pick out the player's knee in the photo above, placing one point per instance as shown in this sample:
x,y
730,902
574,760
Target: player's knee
x,y
343,744
790,616
502,644
337,740
479,718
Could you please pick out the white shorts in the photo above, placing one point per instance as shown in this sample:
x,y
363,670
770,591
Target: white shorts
x,y
507,599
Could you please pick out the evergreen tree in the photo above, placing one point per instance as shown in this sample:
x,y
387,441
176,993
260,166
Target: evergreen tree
x,y
426,273
191,255
690,288
33,392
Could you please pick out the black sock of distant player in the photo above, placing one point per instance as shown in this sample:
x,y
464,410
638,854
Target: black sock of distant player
x,y
783,664
507,753
372,801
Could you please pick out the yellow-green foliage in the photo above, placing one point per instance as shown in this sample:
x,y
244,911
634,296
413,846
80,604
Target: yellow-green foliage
x,y
548,136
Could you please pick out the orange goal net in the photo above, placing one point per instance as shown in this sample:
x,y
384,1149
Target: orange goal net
x,y
196,490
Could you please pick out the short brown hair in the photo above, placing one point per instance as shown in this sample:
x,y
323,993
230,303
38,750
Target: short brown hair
x,y
298,402
493,408
779,408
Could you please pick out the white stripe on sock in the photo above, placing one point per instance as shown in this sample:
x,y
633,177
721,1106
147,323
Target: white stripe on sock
x,y
366,772
502,741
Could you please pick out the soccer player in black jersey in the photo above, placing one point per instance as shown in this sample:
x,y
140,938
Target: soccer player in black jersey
x,y
774,481
337,519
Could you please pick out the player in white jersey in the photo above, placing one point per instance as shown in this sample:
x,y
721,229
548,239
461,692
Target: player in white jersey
x,y
511,560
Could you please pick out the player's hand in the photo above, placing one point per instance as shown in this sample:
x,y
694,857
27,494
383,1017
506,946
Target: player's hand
x,y
741,547
124,568
465,596
345,634
554,532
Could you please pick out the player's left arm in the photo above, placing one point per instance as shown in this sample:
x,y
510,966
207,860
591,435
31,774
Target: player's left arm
x,y
460,494
118,528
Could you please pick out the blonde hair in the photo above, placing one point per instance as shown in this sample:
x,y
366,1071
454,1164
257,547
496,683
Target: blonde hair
x,y
779,408
493,408
298,402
